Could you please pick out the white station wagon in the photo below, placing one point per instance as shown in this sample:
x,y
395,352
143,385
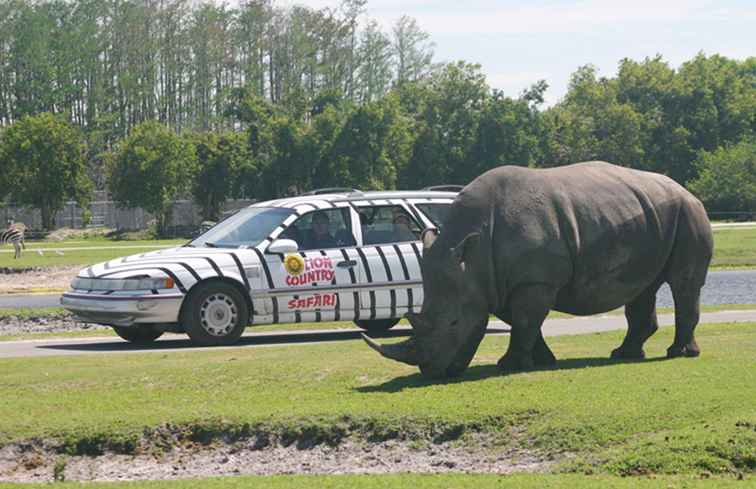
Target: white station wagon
x,y
329,255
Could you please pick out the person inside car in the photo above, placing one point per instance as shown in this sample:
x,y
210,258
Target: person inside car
x,y
403,227
319,236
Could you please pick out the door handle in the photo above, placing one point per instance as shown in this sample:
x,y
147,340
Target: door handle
x,y
347,264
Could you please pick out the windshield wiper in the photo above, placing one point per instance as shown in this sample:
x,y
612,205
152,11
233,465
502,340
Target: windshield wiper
x,y
210,245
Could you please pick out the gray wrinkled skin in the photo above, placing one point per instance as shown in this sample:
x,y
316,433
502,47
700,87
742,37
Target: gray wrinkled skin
x,y
581,239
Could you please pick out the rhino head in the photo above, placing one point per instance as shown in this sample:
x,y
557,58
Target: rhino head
x,y
457,289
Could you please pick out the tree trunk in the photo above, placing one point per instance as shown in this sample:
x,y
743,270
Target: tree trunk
x,y
48,218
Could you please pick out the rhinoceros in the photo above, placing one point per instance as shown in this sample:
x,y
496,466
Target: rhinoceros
x,y
582,239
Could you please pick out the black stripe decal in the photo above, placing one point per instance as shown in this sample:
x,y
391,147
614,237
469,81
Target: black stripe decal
x,y
405,271
268,278
415,213
213,264
337,306
389,276
369,276
124,268
176,280
353,279
315,284
297,314
417,254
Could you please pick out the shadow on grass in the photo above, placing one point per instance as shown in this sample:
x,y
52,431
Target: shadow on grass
x,y
480,372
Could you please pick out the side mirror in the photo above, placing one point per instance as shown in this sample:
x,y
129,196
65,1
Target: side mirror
x,y
282,246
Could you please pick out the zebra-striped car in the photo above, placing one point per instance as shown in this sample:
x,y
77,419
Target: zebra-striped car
x,y
15,236
338,256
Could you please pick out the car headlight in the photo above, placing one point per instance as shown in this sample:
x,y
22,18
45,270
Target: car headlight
x,y
135,283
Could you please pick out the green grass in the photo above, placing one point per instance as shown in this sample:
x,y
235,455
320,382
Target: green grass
x,y
72,256
734,248
652,417
416,481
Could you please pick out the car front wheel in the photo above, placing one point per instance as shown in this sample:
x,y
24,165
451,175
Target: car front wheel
x,y
215,314
377,325
139,335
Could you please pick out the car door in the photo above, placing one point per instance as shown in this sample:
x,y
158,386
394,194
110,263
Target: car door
x,y
316,283
390,255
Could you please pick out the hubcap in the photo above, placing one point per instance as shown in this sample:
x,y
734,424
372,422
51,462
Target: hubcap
x,y
218,314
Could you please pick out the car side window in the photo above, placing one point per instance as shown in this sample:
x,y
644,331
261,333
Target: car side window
x,y
323,229
387,224
435,212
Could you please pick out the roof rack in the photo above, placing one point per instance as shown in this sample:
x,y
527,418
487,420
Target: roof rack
x,y
444,188
333,190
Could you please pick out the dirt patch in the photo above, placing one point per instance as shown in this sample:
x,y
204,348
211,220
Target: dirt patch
x,y
49,323
69,233
58,278
479,453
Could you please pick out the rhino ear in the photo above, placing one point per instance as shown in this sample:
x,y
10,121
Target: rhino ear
x,y
464,250
429,237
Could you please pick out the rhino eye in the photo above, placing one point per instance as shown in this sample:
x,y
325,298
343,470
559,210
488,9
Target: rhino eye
x,y
454,323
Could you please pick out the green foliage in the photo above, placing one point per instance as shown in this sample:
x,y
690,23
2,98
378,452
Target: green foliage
x,y
373,143
41,159
219,160
151,168
592,124
727,177
311,88
447,120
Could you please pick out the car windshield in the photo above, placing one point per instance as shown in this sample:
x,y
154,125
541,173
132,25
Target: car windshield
x,y
247,227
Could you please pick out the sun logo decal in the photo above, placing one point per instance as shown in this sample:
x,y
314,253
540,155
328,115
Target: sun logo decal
x,y
294,264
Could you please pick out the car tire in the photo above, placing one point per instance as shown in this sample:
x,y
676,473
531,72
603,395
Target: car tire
x,y
139,335
216,314
377,325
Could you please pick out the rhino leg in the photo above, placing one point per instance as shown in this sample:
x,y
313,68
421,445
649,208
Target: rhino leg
x,y
530,305
687,313
641,324
542,354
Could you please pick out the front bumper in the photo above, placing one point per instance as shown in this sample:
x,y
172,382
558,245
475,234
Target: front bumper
x,y
123,310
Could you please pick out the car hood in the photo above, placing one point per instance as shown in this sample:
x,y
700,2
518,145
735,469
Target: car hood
x,y
185,265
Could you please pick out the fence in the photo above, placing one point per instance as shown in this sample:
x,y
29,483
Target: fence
x,y
185,214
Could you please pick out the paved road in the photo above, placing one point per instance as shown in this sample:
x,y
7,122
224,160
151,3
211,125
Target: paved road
x,y
106,345
30,300
722,287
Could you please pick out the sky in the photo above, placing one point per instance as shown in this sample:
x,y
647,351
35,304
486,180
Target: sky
x,y
520,42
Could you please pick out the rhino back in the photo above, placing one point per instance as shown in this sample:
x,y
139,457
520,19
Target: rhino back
x,y
599,233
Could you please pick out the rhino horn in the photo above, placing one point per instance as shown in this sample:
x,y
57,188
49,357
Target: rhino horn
x,y
404,352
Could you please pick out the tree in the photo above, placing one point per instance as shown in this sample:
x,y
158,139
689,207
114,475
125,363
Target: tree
x,y
412,50
372,144
219,158
591,123
449,105
510,132
42,158
374,70
727,177
151,168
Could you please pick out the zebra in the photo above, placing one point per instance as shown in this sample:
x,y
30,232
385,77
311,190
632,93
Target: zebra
x,y
15,236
